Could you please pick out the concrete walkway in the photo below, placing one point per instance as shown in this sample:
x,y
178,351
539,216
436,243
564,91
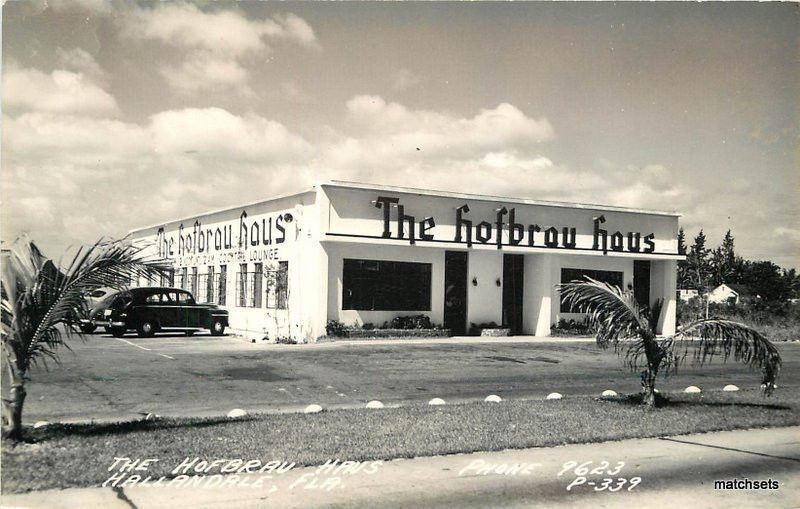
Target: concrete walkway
x,y
666,472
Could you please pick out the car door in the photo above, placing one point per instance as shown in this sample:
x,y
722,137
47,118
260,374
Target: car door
x,y
188,311
151,309
170,312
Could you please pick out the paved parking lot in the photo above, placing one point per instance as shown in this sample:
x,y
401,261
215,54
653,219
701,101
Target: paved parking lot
x,y
107,378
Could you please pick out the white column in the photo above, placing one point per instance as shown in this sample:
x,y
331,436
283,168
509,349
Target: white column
x,y
538,295
663,285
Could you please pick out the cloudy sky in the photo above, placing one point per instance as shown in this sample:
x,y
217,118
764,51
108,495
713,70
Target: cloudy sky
x,y
122,115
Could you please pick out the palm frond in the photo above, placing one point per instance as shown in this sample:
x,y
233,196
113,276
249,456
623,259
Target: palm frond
x,y
714,337
42,302
612,310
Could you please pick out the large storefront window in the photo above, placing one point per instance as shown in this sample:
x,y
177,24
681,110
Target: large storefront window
x,y
377,285
612,277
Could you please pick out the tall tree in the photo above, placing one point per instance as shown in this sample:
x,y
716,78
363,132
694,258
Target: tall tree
x,y
698,268
42,304
767,281
683,267
681,241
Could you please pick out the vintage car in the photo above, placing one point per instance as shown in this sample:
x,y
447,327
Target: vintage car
x,y
150,310
96,306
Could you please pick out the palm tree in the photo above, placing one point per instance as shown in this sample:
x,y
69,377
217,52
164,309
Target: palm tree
x,y
620,322
42,304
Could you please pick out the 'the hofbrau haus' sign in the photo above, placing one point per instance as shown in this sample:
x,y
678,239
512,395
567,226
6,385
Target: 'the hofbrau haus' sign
x,y
484,232
261,231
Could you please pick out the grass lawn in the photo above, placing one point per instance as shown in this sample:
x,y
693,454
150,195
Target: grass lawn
x,y
79,455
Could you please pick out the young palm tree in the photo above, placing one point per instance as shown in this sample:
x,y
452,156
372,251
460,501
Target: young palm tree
x,y
620,322
42,304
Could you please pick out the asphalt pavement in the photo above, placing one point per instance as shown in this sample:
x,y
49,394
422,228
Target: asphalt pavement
x,y
107,378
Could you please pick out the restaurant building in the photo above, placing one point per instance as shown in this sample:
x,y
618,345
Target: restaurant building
x,y
361,253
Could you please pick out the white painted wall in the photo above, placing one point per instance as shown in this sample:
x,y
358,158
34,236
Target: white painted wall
x,y
484,301
663,285
538,296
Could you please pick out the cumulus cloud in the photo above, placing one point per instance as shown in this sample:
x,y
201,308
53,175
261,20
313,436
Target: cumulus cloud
x,y
60,91
204,71
80,61
214,43
228,33
391,127
183,161
218,133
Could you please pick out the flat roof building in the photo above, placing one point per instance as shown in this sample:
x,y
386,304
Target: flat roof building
x,y
362,253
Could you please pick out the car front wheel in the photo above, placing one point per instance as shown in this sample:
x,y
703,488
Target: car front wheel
x,y
217,328
117,332
146,329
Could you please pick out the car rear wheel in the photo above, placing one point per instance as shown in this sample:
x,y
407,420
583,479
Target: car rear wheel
x,y
146,329
88,328
107,329
217,328
117,332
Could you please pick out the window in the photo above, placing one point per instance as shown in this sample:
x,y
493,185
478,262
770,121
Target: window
x,y
377,285
222,284
184,278
193,286
210,284
241,285
154,298
168,277
258,285
282,285
611,277
184,298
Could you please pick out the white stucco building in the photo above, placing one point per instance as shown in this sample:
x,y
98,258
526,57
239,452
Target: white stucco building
x,y
361,253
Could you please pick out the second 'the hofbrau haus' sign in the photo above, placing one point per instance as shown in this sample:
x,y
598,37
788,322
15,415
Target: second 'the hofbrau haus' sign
x,y
484,232
262,230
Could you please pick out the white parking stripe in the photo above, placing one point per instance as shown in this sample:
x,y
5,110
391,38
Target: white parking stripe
x,y
132,344
143,348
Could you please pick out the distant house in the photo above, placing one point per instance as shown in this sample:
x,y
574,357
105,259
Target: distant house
x,y
687,294
730,293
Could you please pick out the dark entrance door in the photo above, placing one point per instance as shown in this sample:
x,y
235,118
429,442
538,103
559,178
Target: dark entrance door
x,y
455,292
641,282
513,282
